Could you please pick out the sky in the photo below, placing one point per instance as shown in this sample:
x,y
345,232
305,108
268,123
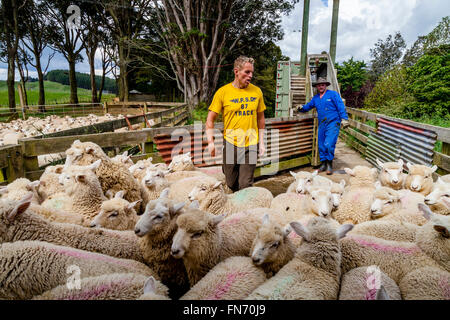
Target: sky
x,y
361,23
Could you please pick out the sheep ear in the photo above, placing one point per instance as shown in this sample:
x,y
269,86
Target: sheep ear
x,y
265,219
90,150
400,163
188,155
95,165
379,163
194,205
215,220
164,194
81,178
20,207
287,230
378,185
342,231
342,183
150,285
119,195
76,142
442,230
125,154
382,294
150,159
178,206
349,171
217,184
292,173
33,185
409,165
133,204
3,190
300,230
433,168
427,213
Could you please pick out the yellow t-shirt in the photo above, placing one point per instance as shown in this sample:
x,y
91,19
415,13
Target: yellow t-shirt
x,y
240,108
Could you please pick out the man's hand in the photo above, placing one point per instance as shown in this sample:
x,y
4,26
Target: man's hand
x,y
299,107
212,149
345,123
262,149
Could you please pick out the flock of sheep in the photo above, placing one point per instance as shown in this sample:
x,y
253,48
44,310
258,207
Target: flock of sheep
x,y
107,228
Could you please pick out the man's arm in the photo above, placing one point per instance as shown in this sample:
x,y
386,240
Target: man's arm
x,y
340,107
210,132
261,125
307,106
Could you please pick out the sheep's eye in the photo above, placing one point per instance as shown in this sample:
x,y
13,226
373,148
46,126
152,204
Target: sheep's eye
x,y
389,201
275,245
314,198
203,189
197,235
113,214
157,217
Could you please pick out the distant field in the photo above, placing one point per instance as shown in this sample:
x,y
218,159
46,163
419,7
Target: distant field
x,y
55,93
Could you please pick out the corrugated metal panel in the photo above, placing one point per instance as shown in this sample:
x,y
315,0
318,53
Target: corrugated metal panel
x,y
415,144
378,147
294,137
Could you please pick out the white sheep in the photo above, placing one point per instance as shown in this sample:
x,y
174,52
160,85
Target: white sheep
x,y
420,178
154,182
315,271
391,174
123,158
435,199
49,182
302,179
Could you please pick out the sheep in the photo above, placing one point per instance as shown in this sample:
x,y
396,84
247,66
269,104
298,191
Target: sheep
x,y
272,248
155,230
115,286
116,214
302,179
203,240
180,190
314,272
139,169
83,194
154,182
213,199
183,163
357,198
364,283
112,176
50,182
397,258
420,178
388,230
232,279
30,268
426,283
389,204
153,291
20,187
337,190
123,158
435,199
391,174
18,222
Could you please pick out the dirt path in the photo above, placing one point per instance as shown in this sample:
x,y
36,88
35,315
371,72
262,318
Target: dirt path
x,y
345,157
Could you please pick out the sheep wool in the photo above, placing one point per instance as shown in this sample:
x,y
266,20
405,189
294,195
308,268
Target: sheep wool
x,y
387,230
426,284
232,279
420,178
30,268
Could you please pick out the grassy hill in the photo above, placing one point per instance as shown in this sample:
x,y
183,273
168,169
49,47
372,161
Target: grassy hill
x,y
55,93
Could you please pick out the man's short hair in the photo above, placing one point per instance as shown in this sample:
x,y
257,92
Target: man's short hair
x,y
241,60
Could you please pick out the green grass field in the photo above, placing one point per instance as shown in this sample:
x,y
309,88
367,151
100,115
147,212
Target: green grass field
x,y
55,93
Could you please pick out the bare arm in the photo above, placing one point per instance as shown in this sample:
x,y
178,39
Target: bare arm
x,y
210,131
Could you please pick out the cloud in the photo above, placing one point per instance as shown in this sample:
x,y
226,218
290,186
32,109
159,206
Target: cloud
x,y
361,23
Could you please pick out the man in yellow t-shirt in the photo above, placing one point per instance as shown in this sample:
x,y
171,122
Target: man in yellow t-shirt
x,y
243,107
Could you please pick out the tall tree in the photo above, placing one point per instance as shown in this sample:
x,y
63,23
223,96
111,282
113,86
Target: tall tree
x,y
65,37
386,54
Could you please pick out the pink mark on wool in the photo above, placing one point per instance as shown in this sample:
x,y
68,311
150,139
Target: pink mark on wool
x,y
293,235
222,289
371,294
445,287
356,196
92,256
96,291
404,201
385,248
235,218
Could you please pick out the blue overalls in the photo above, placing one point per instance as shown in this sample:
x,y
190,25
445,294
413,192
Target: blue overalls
x,y
330,111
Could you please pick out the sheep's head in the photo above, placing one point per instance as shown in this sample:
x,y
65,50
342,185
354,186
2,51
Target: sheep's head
x,y
152,177
84,153
19,188
392,172
302,179
440,223
420,178
385,200
73,176
182,162
337,190
123,158
158,215
441,191
115,213
9,211
320,229
269,238
362,175
321,201
141,166
201,191
195,228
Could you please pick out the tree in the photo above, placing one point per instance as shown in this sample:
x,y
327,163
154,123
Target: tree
x,y
386,54
198,36
352,76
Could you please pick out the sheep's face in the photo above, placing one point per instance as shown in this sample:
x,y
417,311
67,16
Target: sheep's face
x,y
321,201
9,211
303,179
384,201
152,177
194,228
269,239
75,176
419,177
441,191
87,152
115,214
182,162
337,190
201,191
392,172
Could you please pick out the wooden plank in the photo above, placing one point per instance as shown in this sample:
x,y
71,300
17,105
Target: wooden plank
x,y
442,161
362,113
361,126
357,135
15,167
34,175
271,169
34,147
149,104
354,144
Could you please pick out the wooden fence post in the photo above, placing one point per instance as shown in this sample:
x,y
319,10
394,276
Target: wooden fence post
x,y
22,100
105,108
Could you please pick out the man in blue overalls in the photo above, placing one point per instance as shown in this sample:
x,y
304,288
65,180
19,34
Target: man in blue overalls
x,y
330,113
